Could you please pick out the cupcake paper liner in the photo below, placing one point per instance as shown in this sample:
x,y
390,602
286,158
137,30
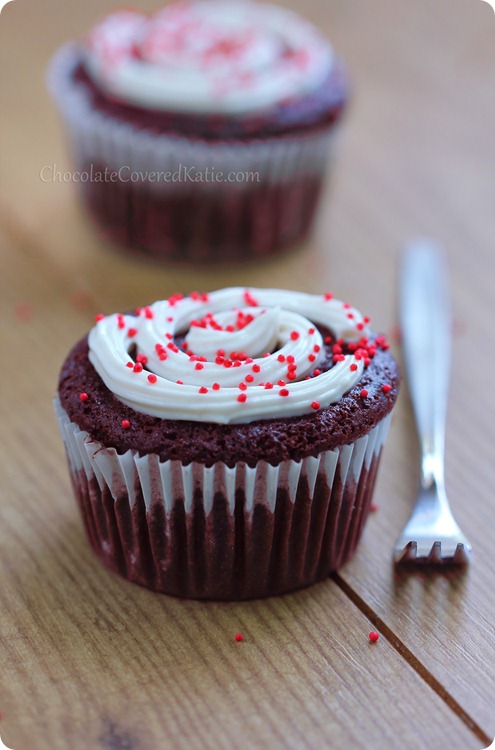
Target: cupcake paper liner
x,y
165,212
219,532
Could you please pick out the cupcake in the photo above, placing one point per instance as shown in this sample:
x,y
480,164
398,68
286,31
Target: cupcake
x,y
226,445
201,132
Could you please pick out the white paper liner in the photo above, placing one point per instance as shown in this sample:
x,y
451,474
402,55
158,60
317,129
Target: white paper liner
x,y
98,138
164,481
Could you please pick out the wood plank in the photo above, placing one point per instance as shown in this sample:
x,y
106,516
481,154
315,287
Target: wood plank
x,y
89,660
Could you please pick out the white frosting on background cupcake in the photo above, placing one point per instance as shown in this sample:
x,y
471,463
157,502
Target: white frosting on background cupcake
x,y
208,56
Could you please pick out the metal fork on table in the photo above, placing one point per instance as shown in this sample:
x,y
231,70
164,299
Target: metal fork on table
x,y
431,534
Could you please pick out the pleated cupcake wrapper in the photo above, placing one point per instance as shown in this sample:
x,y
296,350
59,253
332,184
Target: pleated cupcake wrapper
x,y
337,483
100,139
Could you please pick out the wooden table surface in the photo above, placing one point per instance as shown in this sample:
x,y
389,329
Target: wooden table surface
x,y
91,661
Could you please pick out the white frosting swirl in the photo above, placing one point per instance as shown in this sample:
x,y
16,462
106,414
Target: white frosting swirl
x,y
208,56
226,375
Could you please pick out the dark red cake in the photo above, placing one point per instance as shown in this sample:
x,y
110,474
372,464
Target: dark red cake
x,y
237,507
202,132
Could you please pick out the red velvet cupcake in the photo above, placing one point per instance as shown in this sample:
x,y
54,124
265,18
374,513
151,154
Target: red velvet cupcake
x,y
201,132
226,445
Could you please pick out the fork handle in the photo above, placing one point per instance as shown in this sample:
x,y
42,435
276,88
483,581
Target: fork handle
x,y
426,330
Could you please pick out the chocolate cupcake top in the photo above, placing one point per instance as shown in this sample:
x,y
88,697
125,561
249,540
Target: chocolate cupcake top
x,y
208,57
237,374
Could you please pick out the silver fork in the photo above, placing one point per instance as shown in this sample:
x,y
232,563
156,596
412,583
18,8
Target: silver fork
x,y
431,534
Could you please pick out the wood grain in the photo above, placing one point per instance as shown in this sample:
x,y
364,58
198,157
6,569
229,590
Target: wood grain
x,y
91,661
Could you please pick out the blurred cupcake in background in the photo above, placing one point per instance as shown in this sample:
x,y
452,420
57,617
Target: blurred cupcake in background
x,y
202,132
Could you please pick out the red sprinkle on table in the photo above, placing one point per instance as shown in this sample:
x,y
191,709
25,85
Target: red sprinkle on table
x,y
373,636
239,637
83,397
126,424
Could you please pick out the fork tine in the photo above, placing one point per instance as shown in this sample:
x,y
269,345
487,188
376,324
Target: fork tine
x,y
435,556
408,554
461,556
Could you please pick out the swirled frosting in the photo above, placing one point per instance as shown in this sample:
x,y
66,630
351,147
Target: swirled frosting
x,y
231,356
208,56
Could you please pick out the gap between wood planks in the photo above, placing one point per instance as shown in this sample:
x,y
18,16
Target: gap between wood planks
x,y
411,659
24,241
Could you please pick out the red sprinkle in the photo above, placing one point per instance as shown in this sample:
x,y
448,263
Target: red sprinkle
x,y
243,386
353,367
132,332
328,296
373,507
256,368
268,386
281,358
363,393
216,386
99,317
142,358
294,335
242,397
138,367
152,378
386,388
373,636
239,637
316,372
283,392
311,331
315,405
249,299
179,382
83,397
203,389
199,366
126,424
